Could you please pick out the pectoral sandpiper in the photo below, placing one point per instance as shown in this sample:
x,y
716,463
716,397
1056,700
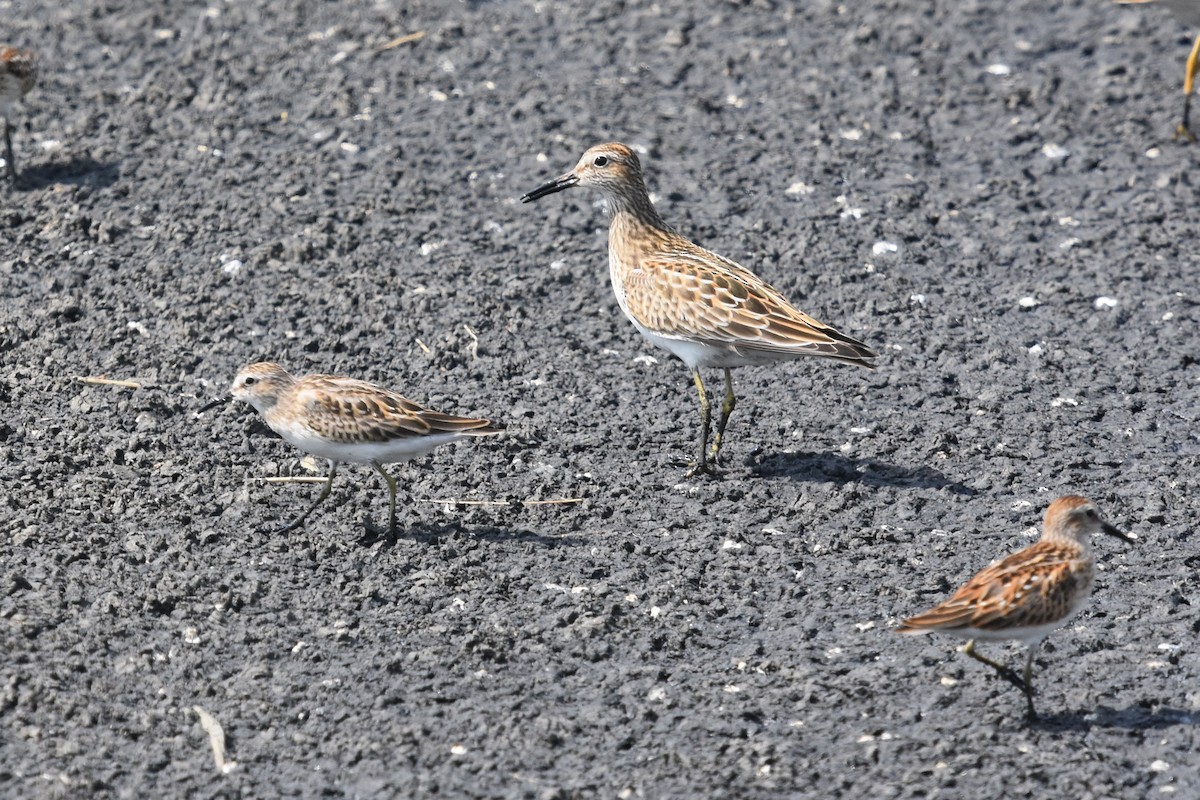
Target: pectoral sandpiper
x,y
704,308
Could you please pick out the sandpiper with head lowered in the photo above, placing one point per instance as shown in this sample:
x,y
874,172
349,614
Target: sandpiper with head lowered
x,y
1027,595
707,310
343,419
18,72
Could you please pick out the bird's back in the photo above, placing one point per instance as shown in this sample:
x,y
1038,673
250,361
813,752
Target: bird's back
x,y
1034,588
344,419
673,289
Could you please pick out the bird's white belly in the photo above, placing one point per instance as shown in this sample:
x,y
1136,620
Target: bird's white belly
x,y
364,452
1031,634
697,354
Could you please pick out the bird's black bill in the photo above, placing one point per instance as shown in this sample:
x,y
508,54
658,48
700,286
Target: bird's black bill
x,y
1112,530
556,185
220,401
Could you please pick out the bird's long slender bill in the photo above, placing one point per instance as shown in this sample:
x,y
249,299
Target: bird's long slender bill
x,y
220,401
556,185
1113,530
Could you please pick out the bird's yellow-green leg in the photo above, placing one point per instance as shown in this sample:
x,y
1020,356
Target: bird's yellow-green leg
x,y
1189,82
391,482
320,499
1024,684
1029,710
1004,672
726,410
702,466
969,649
9,166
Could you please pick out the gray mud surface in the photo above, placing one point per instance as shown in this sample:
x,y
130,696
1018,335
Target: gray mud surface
x,y
203,188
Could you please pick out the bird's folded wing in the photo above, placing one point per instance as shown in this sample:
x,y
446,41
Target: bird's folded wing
x,y
1017,591
709,298
344,409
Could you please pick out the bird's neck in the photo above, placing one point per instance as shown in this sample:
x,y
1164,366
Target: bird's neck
x,y
1083,544
265,404
633,206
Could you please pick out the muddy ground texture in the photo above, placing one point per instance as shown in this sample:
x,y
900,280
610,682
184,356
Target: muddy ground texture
x,y
989,197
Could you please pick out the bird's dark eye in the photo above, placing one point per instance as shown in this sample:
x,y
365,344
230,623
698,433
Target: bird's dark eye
x,y
250,381
601,161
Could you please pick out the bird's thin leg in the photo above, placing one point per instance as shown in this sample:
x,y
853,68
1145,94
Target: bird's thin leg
x,y
391,482
320,499
1189,81
969,649
1030,712
1003,671
9,166
702,465
726,410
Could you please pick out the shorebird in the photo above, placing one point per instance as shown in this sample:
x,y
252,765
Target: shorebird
x,y
1028,594
1187,12
347,420
18,72
705,309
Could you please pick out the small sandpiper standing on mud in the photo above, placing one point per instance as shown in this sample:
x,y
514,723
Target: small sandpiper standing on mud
x,y
1027,595
343,419
1187,12
704,308
18,72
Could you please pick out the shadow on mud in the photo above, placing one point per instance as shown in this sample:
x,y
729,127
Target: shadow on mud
x,y
78,171
840,470
447,534
1134,717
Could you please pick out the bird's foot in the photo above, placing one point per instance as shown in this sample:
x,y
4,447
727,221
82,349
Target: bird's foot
x,y
1183,134
703,468
291,526
714,455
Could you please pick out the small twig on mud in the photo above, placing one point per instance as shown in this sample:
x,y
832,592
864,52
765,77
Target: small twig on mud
x,y
415,36
423,346
216,738
102,381
294,479
474,342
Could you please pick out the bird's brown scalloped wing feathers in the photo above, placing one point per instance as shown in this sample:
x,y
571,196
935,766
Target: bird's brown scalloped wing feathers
x,y
345,409
689,292
1034,586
